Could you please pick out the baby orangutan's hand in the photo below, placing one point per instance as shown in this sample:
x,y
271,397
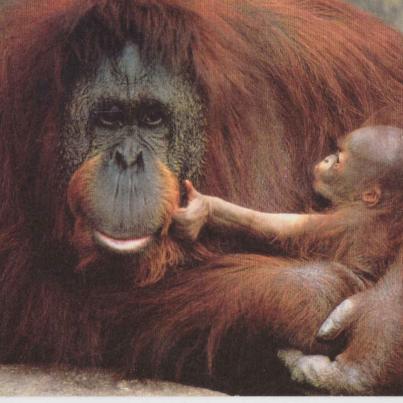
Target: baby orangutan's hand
x,y
190,220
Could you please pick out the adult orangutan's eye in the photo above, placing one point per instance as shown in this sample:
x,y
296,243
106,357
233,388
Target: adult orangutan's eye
x,y
151,114
112,117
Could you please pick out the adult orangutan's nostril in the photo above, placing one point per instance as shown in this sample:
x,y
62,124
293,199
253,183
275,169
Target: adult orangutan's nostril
x,y
120,160
126,156
139,160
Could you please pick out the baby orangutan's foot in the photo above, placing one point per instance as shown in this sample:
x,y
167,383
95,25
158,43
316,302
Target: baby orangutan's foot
x,y
322,373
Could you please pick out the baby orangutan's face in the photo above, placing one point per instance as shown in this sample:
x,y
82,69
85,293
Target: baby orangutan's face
x,y
330,178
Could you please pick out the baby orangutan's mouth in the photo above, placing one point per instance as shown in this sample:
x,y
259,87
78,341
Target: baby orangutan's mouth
x,y
132,245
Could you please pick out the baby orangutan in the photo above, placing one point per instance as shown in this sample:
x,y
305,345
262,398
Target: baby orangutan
x,y
363,231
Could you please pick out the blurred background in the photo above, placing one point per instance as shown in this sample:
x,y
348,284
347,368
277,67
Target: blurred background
x,y
390,11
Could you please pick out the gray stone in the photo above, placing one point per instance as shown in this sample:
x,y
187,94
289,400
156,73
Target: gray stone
x,y
20,380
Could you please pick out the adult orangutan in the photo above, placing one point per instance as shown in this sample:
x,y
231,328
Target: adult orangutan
x,y
105,106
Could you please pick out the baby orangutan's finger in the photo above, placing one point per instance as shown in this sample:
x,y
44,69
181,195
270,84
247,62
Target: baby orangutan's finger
x,y
179,212
190,190
185,225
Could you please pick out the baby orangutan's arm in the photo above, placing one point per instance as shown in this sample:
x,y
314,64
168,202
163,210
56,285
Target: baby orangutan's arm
x,y
218,213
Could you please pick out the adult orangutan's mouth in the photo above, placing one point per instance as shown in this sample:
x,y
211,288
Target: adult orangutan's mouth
x,y
133,245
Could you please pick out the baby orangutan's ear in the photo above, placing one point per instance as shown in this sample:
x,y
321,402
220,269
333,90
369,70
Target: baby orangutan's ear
x,y
372,195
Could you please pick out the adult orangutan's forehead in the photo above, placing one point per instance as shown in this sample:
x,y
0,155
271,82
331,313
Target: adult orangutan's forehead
x,y
129,75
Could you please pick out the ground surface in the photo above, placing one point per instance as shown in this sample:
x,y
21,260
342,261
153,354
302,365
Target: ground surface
x,y
34,381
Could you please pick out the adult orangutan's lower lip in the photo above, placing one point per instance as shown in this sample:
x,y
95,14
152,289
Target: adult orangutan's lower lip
x,y
122,245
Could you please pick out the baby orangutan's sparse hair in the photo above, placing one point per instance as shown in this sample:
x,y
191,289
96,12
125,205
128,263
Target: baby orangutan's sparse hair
x,y
363,232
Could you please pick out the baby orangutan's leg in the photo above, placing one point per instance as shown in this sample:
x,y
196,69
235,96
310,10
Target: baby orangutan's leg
x,y
336,377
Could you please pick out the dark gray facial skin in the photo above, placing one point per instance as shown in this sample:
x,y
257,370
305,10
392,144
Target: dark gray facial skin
x,y
134,115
